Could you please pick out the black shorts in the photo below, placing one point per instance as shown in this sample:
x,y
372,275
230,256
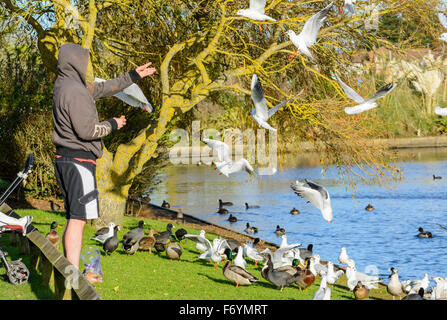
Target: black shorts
x,y
77,181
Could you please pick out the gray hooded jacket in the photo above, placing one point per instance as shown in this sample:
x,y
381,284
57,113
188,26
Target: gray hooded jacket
x,y
77,130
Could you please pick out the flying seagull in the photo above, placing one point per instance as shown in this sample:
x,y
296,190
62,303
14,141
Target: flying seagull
x,y
133,96
308,35
443,19
255,12
261,113
225,165
363,104
315,194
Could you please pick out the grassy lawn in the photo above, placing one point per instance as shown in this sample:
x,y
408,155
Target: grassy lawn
x,y
144,276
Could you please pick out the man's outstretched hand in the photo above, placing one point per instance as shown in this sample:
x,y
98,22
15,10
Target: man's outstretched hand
x,y
121,122
145,71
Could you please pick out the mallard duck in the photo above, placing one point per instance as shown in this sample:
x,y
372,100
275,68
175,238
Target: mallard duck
x,y
280,277
147,243
360,291
53,236
165,204
250,207
416,296
222,210
294,211
306,278
174,250
237,274
369,207
103,234
232,218
111,243
424,234
228,204
280,231
251,229
394,286
131,240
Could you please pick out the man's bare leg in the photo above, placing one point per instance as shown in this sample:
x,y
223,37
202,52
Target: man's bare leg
x,y
72,240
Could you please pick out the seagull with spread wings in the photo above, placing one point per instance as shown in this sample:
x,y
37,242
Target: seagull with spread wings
x,y
363,104
315,194
212,253
256,12
133,96
261,113
308,35
225,165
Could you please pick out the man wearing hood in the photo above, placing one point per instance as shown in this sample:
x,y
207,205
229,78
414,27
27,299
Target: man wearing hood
x,y
78,137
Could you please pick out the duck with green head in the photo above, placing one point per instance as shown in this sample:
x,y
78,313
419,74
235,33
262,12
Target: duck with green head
x,y
237,274
53,236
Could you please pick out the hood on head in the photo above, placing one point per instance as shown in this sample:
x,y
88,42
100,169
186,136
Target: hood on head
x,y
73,62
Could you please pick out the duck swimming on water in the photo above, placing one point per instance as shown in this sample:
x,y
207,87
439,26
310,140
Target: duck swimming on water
x,y
424,234
280,231
232,218
250,229
250,206
221,203
222,210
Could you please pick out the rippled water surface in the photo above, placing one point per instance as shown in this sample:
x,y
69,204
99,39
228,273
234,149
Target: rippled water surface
x,y
379,239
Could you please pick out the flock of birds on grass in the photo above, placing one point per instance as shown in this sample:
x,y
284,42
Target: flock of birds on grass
x,y
283,267
288,264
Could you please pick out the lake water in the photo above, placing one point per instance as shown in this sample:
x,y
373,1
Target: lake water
x,y
376,240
